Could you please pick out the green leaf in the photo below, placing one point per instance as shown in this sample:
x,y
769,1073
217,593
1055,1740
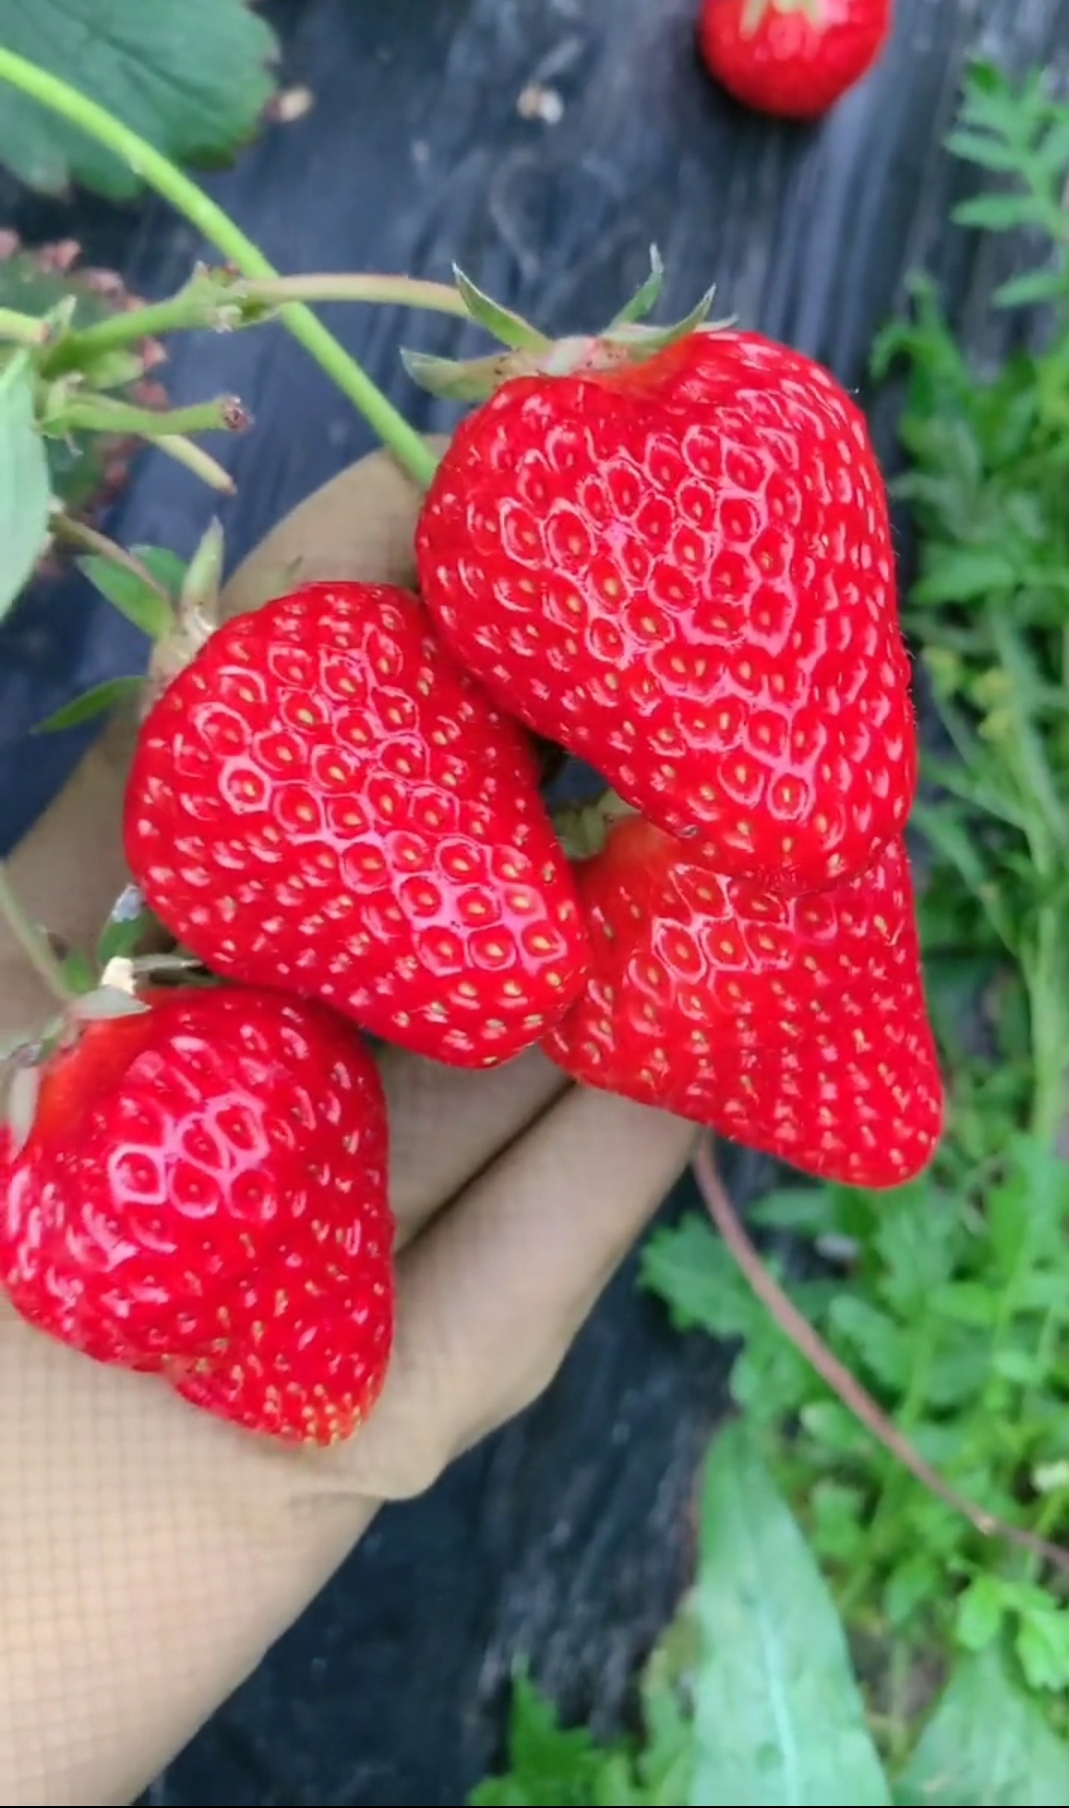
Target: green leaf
x,y
833,1424
912,1582
876,1341
645,299
1035,287
807,1210
500,322
1042,1644
192,79
779,1719
1022,1368
666,1761
967,1303
549,1766
126,928
961,574
838,1521
1000,212
129,593
24,482
165,566
699,1281
79,972
987,1745
986,152
914,1242
979,1613
95,702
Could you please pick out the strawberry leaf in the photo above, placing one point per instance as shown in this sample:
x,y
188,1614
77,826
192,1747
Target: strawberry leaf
x,y
24,483
192,79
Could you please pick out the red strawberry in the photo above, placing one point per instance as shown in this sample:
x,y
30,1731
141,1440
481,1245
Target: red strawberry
x,y
203,1195
794,1025
682,571
795,58
323,801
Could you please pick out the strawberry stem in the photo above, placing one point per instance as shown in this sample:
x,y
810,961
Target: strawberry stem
x,y
209,219
194,458
34,944
103,414
23,329
219,302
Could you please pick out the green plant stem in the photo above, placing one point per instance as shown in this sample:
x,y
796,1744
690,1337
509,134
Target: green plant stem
x,y
216,226
896,1484
208,304
1047,1008
101,414
187,453
23,329
79,533
34,945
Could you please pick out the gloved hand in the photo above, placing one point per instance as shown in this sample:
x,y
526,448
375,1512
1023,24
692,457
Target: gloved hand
x,y
150,1554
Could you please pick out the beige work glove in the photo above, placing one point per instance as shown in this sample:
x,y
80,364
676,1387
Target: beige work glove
x,y
150,1554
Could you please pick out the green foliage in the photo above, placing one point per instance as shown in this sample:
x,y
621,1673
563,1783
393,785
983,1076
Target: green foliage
x,y
778,1715
749,1698
191,78
954,1314
988,457
986,1744
24,481
1020,132
550,1766
147,603
37,282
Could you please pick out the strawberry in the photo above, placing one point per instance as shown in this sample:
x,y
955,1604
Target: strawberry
x,y
682,571
794,58
794,1025
203,1195
323,801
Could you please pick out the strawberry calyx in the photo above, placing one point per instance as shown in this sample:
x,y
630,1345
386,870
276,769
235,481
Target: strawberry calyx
x,y
627,340
583,829
34,1065
193,619
27,1061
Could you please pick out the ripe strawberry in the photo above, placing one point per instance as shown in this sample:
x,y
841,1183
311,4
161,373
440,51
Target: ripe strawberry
x,y
794,1025
203,1196
323,801
682,571
794,58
